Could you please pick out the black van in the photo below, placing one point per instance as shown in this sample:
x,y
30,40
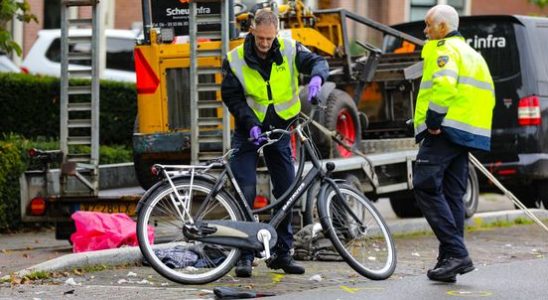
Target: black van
x,y
516,50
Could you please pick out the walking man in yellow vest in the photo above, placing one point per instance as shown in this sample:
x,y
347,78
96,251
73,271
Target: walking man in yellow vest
x,y
261,89
453,115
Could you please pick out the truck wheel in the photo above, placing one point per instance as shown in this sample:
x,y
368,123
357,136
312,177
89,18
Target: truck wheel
x,y
142,171
404,205
341,115
471,197
142,166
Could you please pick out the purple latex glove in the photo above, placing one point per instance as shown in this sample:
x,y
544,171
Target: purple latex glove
x,y
314,87
255,135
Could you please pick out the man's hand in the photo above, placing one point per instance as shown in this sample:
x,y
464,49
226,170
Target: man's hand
x,y
255,135
314,87
434,131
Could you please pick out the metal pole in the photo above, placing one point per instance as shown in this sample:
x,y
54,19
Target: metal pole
x,y
506,192
147,22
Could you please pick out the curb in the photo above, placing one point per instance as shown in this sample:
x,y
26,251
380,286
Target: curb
x,y
128,255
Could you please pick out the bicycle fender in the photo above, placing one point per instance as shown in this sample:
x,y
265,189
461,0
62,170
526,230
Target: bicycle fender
x,y
325,185
160,184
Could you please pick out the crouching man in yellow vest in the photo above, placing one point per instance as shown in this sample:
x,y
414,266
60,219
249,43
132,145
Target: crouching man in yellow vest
x,y
452,116
261,89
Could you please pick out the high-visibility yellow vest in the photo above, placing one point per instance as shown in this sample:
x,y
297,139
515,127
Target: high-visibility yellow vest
x,y
456,82
283,83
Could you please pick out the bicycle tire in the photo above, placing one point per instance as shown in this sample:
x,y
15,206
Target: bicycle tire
x,y
367,244
159,214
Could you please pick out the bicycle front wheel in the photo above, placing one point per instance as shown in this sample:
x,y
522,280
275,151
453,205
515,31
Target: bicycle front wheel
x,y
170,253
358,232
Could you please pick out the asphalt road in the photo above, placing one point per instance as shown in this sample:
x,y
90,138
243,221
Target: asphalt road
x,y
511,262
514,280
25,249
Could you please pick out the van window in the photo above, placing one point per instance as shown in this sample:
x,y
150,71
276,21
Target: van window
x,y
542,33
119,53
495,40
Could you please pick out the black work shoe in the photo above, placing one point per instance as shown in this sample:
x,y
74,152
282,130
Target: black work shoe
x,y
449,268
438,264
244,268
286,263
439,261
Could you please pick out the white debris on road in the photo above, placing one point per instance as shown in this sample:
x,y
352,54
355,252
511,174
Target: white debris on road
x,y
316,278
71,281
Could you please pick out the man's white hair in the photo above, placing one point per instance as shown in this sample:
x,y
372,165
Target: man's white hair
x,y
445,14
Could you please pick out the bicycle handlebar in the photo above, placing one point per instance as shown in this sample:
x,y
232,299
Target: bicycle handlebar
x,y
315,103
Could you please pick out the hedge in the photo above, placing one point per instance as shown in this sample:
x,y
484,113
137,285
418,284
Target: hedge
x,y
29,106
14,161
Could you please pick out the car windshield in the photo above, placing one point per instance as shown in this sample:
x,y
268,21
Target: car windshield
x,y
119,53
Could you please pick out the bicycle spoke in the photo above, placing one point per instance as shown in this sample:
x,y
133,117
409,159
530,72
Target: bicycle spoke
x,y
189,261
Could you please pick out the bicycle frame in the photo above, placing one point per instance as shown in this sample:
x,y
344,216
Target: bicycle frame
x,y
285,202
289,199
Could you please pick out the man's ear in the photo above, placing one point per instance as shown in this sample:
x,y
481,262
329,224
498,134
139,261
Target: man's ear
x,y
444,29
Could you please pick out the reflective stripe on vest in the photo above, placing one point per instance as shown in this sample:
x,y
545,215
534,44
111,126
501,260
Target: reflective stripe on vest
x,y
286,102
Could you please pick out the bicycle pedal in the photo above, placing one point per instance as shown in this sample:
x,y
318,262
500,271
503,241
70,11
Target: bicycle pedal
x,y
264,236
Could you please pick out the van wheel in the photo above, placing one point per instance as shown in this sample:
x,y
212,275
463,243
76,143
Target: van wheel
x,y
542,190
527,195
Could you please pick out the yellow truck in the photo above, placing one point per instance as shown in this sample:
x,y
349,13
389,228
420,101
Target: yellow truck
x,y
181,119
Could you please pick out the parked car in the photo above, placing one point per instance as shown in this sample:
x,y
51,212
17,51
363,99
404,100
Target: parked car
x,y
45,55
514,48
6,65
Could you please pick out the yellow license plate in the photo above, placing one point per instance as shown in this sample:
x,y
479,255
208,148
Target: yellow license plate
x,y
111,207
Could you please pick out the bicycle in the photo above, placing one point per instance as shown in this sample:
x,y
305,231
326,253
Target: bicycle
x,y
194,212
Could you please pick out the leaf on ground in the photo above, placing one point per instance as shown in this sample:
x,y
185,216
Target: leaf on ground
x,y
15,280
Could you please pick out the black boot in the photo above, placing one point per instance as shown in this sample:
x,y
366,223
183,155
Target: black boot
x,y
438,264
244,268
286,263
450,267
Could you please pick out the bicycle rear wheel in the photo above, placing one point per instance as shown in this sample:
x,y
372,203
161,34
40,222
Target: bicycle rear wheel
x,y
171,254
367,245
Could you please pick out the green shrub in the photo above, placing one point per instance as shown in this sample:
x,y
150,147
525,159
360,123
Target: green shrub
x,y
14,161
29,106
